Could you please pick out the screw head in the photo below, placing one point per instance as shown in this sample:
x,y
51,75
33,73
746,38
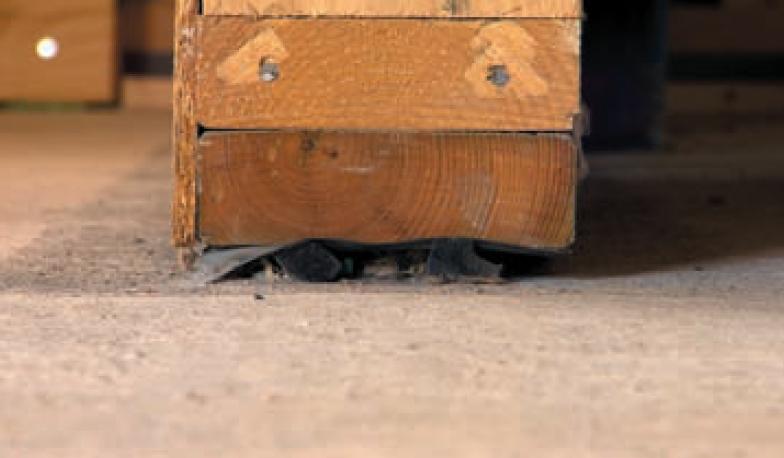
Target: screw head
x,y
47,48
269,71
498,75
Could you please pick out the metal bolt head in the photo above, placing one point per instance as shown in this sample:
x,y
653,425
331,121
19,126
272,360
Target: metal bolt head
x,y
269,71
498,75
47,48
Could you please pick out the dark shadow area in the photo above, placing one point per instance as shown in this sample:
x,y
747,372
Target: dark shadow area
x,y
636,226
624,58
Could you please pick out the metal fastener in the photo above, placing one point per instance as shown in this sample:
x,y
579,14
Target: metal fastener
x,y
269,71
498,75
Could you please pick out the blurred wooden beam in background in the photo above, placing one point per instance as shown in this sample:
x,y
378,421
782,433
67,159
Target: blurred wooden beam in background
x,y
58,50
147,92
733,26
146,33
729,98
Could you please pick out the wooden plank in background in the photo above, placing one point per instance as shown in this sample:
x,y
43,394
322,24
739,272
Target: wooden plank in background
x,y
739,26
85,67
407,8
147,92
388,74
725,98
280,188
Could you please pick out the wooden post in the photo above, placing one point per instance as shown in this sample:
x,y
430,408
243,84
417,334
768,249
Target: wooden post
x,y
185,130
376,123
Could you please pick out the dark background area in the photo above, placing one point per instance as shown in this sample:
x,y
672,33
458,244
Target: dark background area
x,y
624,71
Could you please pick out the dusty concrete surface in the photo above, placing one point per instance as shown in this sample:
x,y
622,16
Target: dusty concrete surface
x,y
660,336
52,163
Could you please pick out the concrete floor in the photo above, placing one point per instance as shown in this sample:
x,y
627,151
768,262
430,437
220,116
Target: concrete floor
x,y
661,335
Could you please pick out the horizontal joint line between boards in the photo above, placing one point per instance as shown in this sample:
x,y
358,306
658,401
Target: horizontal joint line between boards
x,y
205,130
388,17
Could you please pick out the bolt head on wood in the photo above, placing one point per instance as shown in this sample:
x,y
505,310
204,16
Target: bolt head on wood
x,y
498,75
269,71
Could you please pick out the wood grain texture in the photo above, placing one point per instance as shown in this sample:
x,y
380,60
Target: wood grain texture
x,y
184,129
388,74
267,188
84,69
404,8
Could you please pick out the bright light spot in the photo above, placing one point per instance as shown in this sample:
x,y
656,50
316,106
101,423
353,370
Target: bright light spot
x,y
47,48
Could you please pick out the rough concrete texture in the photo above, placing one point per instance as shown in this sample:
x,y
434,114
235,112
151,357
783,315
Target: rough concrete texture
x,y
661,335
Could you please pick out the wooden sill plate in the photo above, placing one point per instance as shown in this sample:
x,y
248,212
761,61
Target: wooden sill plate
x,y
268,188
